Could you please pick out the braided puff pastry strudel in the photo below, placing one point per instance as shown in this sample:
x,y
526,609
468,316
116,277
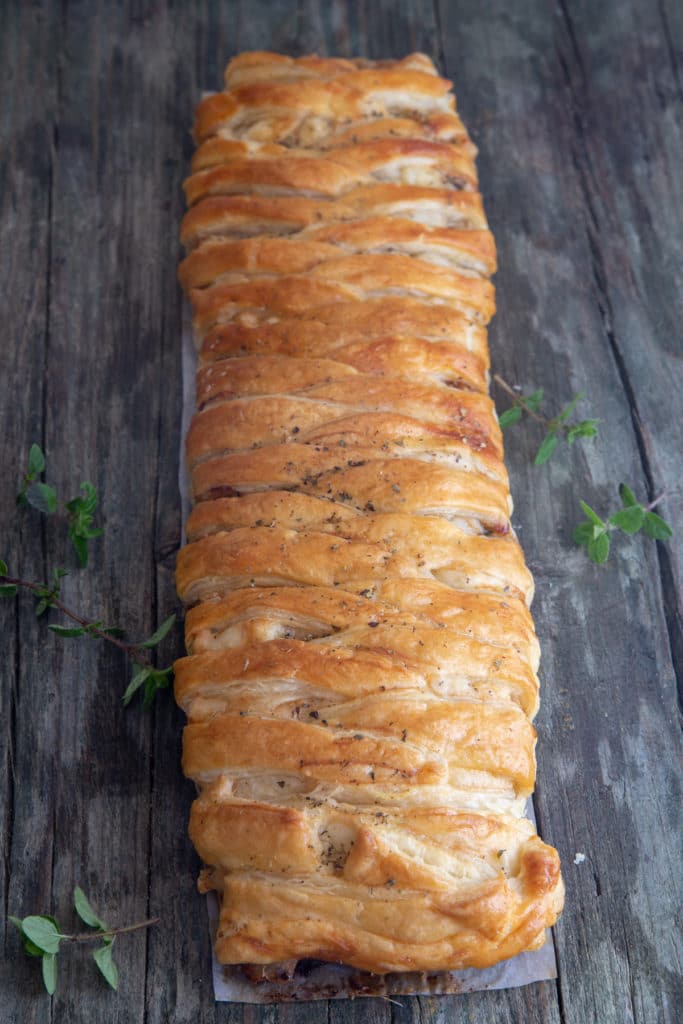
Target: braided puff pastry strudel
x,y
361,672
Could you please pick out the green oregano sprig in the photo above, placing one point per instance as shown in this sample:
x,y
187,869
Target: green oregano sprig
x,y
42,937
153,679
557,427
594,532
80,512
34,492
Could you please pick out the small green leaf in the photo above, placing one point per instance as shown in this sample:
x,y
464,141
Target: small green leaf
x,y
85,910
158,679
3,568
656,527
583,533
569,409
42,606
139,676
8,589
105,961
80,510
629,519
627,496
593,516
66,631
80,545
49,965
598,548
30,948
160,633
510,416
547,448
534,399
586,428
36,460
43,932
43,497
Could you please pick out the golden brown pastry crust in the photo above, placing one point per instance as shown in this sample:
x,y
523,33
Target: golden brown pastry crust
x,y
265,66
245,215
222,166
361,672
450,249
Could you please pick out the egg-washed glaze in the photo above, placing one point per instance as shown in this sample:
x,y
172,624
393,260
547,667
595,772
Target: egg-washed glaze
x,y
361,678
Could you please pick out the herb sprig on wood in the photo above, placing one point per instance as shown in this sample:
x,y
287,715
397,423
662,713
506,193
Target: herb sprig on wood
x,y
557,427
593,533
79,518
43,937
80,511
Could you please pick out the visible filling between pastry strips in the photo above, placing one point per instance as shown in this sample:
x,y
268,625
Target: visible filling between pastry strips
x,y
361,676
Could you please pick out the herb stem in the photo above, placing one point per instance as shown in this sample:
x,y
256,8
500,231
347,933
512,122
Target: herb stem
x,y
111,932
519,401
655,502
132,650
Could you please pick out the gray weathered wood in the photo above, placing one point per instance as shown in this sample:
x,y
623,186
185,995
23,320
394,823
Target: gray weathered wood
x,y
28,693
610,743
578,112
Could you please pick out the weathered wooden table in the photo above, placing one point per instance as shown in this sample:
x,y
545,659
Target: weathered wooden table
x,y
577,109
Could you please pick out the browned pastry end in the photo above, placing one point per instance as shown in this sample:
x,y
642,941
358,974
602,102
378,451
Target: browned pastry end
x,y
265,66
305,108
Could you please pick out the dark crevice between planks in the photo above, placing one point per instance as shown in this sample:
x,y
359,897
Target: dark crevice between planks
x,y
150,826
582,164
631,993
541,829
11,775
49,271
152,713
670,47
440,49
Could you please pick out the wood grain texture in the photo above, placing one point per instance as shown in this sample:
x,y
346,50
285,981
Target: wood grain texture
x,y
28,692
578,112
609,749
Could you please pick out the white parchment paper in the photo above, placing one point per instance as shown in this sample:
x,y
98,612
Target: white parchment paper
x,y
331,981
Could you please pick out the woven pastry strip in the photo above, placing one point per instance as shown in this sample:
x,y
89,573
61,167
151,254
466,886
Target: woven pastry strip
x,y
361,671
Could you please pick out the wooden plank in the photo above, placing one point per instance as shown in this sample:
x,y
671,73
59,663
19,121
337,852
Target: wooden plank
x,y
610,747
634,203
102,400
636,231
183,993
27,690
